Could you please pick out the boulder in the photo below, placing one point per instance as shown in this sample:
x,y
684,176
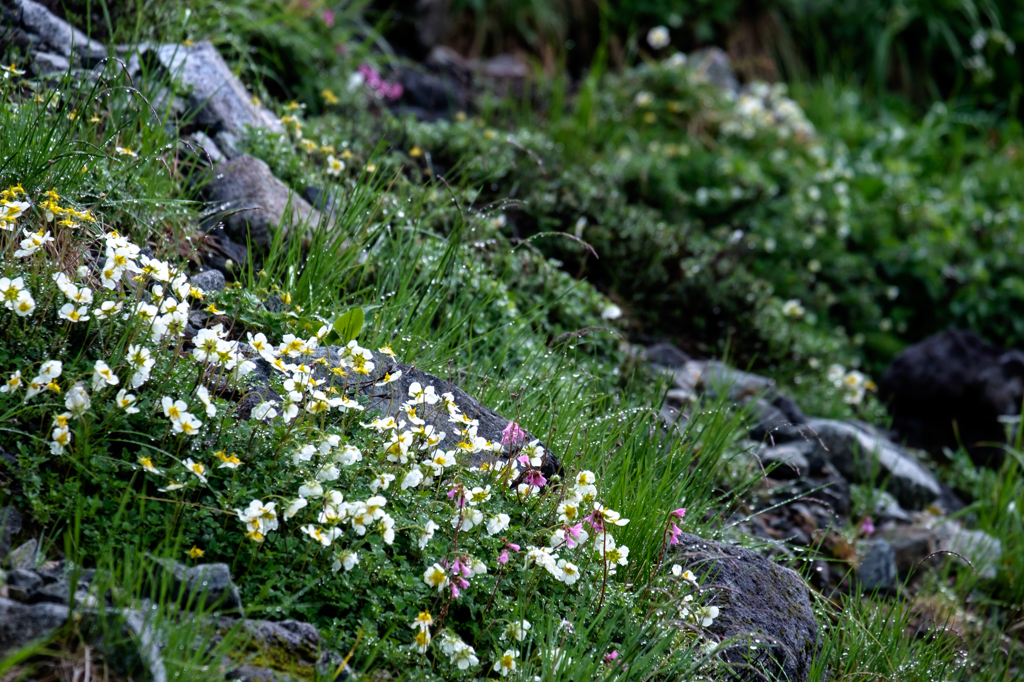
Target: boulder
x,y
48,33
217,100
388,399
666,355
23,556
766,607
206,584
864,457
10,526
208,280
981,549
786,461
877,569
250,201
952,388
22,624
285,650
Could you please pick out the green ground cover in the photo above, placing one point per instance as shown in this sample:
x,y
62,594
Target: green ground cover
x,y
883,224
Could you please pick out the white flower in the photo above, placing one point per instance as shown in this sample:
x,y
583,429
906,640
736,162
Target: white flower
x,y
264,410
470,518
478,495
497,524
126,401
412,479
196,469
77,400
24,305
33,242
294,506
69,312
464,657
13,383
311,489
793,309
348,455
427,533
346,559
9,290
436,576
611,312
324,537
334,165
187,424
570,572
515,630
204,397
507,662
102,376
658,37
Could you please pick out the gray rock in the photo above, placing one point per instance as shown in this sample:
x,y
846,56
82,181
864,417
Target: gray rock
x,y
789,460
388,399
981,549
666,355
229,144
757,600
23,556
298,646
56,35
251,201
877,569
208,280
207,149
47,63
911,545
22,624
863,457
10,525
209,585
888,509
218,100
147,643
711,65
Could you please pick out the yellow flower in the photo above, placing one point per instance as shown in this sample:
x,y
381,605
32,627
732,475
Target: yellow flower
x,y
650,117
187,42
125,151
490,134
254,100
286,297
329,96
54,386
308,145
195,293
212,309
195,553
294,106
415,152
94,119
371,167
460,116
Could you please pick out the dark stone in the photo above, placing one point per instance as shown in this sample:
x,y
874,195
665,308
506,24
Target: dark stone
x,y
204,148
321,199
667,355
23,556
298,646
954,383
250,202
786,461
877,569
863,457
911,545
10,525
207,585
50,33
430,95
388,400
22,624
217,100
758,600
47,63
208,280
219,252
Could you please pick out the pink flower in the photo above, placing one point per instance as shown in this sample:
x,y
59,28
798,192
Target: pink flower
x,y
572,534
458,490
596,521
535,478
512,435
503,557
608,658
328,16
867,526
673,534
513,546
679,513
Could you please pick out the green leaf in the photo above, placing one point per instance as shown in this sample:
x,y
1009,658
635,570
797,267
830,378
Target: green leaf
x,y
348,326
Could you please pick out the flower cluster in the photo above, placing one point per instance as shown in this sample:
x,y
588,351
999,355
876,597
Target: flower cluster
x,y
371,78
853,383
764,107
